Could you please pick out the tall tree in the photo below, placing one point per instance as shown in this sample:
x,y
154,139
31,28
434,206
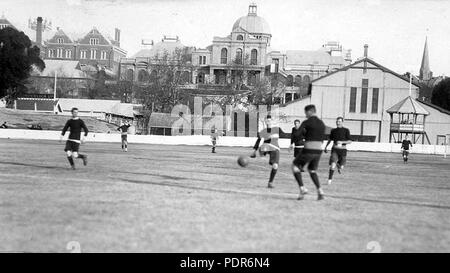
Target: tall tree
x,y
162,91
441,94
17,57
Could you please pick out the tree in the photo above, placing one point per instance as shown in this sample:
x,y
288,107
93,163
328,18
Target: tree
x,y
17,57
162,91
441,94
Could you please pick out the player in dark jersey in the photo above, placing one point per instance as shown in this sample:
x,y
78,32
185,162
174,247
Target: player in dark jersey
x,y
297,141
406,143
340,137
314,133
124,135
73,142
270,134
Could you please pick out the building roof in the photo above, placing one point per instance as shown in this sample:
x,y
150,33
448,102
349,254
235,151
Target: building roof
x,y
125,110
64,68
440,109
384,69
252,23
4,21
168,46
408,106
85,105
309,57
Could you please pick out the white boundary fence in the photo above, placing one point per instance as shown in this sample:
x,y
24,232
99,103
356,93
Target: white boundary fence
x,y
205,140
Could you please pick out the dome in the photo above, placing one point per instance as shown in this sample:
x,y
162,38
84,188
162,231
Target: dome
x,y
252,23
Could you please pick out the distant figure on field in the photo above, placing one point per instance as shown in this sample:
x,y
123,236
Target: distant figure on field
x,y
124,134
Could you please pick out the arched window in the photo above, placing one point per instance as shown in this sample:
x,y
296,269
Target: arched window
x,y
306,79
153,76
223,56
129,75
240,37
185,77
290,80
143,76
254,57
239,56
298,80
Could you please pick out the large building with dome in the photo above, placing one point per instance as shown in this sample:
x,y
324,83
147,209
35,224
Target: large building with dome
x,y
241,58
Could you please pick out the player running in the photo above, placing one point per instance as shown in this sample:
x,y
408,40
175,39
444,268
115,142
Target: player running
x,y
406,143
297,141
124,134
314,133
73,142
270,146
340,137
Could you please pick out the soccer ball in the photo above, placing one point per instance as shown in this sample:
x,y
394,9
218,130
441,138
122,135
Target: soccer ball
x,y
243,161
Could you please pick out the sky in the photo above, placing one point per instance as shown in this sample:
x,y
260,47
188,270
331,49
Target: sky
x,y
395,30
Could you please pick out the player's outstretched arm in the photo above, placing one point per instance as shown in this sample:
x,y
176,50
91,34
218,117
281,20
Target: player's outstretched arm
x,y
256,147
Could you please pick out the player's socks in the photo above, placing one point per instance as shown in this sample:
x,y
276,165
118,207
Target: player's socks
x,y
84,158
330,174
273,172
315,179
72,164
298,177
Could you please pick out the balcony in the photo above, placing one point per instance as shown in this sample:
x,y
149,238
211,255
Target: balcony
x,y
407,128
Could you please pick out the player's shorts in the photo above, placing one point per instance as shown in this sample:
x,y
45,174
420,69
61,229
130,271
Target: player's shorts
x,y
405,152
72,146
274,156
124,137
310,157
297,151
338,156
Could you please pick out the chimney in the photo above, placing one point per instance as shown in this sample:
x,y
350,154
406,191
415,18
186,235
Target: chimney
x,y
117,37
39,31
366,50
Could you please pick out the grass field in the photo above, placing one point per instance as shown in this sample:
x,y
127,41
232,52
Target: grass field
x,y
185,199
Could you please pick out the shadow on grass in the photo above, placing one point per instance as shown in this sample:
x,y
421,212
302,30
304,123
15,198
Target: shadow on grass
x,y
191,187
424,205
33,165
278,196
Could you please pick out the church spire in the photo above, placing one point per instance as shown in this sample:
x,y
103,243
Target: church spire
x,y
425,73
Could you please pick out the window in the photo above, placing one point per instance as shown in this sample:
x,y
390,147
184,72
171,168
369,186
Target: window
x,y
364,91
306,79
93,54
51,53
223,56
68,54
59,53
298,81
2,26
254,57
290,81
201,60
83,54
276,62
93,41
353,100
239,56
240,37
60,41
143,76
103,55
364,100
375,96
